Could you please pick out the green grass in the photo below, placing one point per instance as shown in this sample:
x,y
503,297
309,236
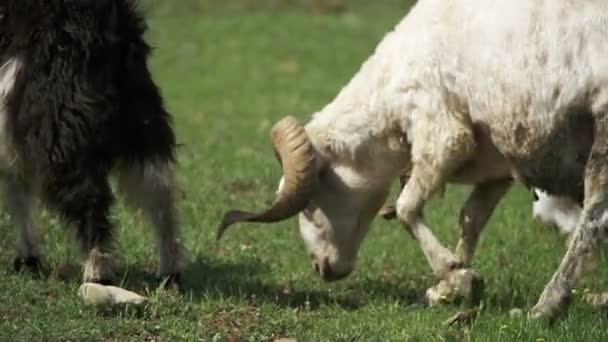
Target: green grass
x,y
227,75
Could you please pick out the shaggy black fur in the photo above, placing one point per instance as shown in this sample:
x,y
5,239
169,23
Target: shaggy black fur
x,y
83,102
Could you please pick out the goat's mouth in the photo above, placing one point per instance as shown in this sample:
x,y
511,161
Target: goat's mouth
x,y
326,272
333,277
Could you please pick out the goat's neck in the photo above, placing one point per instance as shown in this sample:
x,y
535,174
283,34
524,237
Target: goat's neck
x,y
361,129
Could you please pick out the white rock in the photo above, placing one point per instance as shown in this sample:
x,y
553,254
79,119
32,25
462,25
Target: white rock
x,y
97,294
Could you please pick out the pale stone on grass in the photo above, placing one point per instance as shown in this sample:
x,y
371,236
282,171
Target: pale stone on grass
x,y
101,295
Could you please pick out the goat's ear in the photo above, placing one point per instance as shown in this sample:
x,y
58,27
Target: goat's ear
x,y
322,165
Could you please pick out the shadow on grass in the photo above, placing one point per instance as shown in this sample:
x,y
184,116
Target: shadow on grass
x,y
393,291
212,278
208,278
509,298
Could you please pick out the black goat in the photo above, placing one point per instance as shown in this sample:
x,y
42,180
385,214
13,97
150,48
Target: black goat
x,y
77,103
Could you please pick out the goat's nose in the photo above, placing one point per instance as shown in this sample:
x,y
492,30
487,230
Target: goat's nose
x,y
326,272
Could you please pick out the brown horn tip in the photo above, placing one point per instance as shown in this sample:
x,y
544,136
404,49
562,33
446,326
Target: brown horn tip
x,y
297,157
230,218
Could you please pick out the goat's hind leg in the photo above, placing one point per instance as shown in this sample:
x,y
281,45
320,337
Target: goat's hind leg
x,y
150,187
475,213
591,232
20,204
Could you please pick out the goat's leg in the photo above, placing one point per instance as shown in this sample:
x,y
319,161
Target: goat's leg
x,y
455,282
579,258
150,187
591,232
84,201
475,213
436,151
410,205
94,231
19,204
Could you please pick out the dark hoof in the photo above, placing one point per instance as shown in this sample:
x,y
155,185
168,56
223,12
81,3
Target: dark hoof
x,y
32,264
171,281
102,281
388,213
470,285
476,291
552,308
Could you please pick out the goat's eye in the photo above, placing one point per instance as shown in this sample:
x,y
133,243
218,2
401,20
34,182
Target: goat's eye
x,y
323,173
313,215
307,213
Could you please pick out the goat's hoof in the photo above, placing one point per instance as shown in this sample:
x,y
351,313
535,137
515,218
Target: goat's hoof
x,y
440,294
461,285
170,281
102,281
469,284
388,213
31,263
544,314
104,278
553,303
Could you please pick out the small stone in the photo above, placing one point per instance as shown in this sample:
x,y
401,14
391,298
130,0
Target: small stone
x,y
102,295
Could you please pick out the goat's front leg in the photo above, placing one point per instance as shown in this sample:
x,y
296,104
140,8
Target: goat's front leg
x,y
150,187
19,204
437,149
455,282
84,201
475,213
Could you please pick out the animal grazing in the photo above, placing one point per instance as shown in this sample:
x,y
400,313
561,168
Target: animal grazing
x,y
77,104
477,92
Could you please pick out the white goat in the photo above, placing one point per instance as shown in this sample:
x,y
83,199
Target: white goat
x,y
469,91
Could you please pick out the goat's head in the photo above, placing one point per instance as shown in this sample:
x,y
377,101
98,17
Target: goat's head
x,y
335,204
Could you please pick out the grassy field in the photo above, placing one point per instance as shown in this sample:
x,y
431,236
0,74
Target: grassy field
x,y
227,75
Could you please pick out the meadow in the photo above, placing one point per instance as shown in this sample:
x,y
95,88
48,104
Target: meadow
x,y
228,71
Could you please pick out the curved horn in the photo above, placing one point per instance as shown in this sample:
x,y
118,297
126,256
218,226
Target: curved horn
x,y
297,157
